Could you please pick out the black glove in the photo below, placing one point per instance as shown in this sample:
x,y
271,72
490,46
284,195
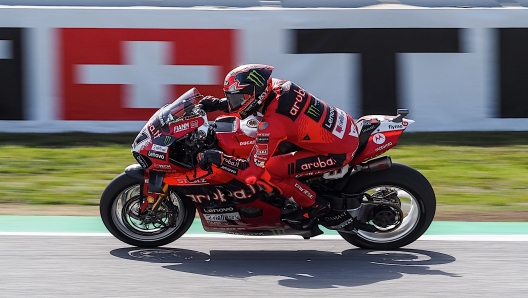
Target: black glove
x,y
211,104
208,157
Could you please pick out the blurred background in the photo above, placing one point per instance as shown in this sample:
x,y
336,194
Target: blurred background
x,y
78,80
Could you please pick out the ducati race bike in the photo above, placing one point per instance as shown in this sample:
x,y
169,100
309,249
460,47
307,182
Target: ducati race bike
x,y
375,203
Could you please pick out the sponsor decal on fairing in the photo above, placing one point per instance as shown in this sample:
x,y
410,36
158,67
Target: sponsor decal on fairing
x,y
222,216
186,181
230,170
245,143
165,167
200,198
396,126
219,209
388,125
378,138
156,155
181,127
262,149
315,163
383,147
159,148
154,131
218,195
262,140
218,223
141,161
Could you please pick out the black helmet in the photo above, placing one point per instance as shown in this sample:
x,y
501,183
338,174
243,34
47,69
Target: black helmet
x,y
246,87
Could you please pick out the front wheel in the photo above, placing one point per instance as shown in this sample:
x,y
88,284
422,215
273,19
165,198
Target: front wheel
x,y
418,203
120,211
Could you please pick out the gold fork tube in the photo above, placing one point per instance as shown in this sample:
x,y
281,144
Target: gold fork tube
x,y
161,197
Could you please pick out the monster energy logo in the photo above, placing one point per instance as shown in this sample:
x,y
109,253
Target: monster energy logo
x,y
256,78
313,111
167,140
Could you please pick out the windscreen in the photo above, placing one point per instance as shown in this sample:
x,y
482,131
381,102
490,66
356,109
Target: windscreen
x,y
157,128
181,107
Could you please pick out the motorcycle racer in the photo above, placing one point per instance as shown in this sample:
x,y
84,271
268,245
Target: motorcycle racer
x,y
325,138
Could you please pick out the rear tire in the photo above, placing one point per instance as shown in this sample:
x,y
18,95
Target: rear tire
x,y
416,189
122,198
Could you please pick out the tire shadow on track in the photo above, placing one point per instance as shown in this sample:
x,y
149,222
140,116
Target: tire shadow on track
x,y
307,269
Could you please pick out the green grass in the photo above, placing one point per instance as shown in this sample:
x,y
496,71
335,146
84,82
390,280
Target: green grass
x,y
74,175
480,176
484,170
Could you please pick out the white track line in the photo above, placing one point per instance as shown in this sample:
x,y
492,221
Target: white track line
x,y
504,238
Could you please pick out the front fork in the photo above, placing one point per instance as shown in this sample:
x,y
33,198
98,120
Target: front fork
x,y
153,199
153,187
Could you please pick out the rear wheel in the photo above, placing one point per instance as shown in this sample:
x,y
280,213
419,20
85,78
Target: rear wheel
x,y
418,204
120,211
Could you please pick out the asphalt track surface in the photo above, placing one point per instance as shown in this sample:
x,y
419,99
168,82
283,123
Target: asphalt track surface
x,y
43,265
40,265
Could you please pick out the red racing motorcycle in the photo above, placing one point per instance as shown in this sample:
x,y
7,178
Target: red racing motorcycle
x,y
154,202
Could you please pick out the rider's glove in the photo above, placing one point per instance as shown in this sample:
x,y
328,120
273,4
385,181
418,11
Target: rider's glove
x,y
211,104
208,157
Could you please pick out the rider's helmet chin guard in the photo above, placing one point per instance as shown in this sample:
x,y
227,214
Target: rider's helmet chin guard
x,y
246,87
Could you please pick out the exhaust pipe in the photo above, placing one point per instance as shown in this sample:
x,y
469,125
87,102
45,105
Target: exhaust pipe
x,y
374,165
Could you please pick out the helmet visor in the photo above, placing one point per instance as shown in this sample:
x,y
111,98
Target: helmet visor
x,y
236,100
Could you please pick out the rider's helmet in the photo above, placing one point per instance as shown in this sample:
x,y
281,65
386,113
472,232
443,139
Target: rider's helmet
x,y
246,87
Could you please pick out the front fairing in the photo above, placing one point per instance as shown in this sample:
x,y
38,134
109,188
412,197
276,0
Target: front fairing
x,y
170,123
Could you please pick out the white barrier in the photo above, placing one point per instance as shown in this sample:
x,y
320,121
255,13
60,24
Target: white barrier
x,y
117,3
276,3
106,69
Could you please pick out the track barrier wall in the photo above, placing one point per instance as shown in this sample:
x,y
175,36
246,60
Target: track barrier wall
x,y
107,69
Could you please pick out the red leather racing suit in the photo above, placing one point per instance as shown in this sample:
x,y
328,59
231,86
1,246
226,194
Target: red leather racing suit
x,y
327,135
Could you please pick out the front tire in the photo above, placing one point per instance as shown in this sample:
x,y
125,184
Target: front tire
x,y
416,195
119,210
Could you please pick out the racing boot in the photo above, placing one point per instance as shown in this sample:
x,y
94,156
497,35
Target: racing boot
x,y
305,217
